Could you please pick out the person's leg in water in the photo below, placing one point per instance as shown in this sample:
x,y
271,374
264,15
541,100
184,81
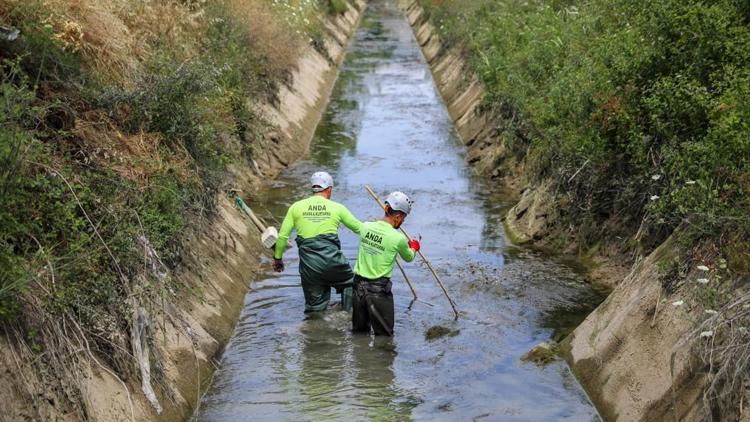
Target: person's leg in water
x,y
346,291
343,280
360,313
346,298
383,317
316,297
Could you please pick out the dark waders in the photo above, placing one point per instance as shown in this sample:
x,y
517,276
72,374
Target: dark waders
x,y
322,265
373,306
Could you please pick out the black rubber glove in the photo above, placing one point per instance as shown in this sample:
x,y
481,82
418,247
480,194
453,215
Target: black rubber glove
x,y
278,265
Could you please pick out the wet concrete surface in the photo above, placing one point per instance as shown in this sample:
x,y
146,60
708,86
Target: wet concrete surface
x,y
387,127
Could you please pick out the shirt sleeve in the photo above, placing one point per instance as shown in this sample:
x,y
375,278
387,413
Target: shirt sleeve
x,y
405,251
349,220
286,229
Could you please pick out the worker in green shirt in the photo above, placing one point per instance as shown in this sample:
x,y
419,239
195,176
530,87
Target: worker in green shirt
x,y
379,243
322,265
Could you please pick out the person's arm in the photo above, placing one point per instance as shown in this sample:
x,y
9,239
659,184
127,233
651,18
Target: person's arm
x,y
405,250
286,229
349,220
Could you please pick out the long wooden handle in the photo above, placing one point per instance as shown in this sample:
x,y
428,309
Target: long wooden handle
x,y
406,277
424,258
243,206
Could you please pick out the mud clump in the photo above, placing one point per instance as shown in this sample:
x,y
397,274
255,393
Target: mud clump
x,y
438,331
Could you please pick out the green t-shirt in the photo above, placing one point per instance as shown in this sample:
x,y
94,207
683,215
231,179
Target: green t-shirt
x,y
379,243
313,216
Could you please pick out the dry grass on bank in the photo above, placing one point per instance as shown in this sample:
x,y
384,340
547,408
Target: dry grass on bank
x,y
278,43
723,341
116,37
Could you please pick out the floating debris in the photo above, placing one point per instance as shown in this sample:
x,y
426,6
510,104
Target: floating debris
x,y
678,303
437,331
702,267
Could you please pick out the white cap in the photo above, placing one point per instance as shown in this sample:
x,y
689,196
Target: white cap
x,y
321,181
398,201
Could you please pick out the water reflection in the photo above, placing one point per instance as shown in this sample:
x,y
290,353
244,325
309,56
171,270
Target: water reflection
x,y
324,354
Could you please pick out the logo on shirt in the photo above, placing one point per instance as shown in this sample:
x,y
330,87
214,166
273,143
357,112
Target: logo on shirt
x,y
373,243
374,237
316,213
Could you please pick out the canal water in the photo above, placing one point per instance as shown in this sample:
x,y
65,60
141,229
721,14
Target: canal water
x,y
387,127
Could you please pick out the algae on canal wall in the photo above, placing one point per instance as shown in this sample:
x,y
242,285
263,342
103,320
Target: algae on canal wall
x,y
180,342
629,353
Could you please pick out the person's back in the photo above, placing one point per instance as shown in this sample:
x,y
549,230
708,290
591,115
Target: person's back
x,y
379,243
314,216
322,265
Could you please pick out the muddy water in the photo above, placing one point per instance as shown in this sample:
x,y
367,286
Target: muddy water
x,y
386,126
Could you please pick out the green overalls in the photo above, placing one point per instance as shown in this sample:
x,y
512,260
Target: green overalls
x,y
322,264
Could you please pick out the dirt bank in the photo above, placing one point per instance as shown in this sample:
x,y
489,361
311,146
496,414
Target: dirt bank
x,y
623,354
224,255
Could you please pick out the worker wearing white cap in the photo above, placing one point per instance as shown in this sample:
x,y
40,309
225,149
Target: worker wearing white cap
x,y
379,243
322,264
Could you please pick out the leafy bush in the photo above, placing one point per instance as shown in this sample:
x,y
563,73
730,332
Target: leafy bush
x,y
648,99
17,109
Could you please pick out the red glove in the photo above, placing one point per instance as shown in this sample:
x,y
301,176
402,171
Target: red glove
x,y
414,244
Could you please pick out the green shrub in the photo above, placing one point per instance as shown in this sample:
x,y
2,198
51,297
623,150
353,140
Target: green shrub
x,y
83,221
649,99
195,107
16,113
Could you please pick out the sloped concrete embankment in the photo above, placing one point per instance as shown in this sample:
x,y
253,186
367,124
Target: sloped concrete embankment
x,y
219,263
625,353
